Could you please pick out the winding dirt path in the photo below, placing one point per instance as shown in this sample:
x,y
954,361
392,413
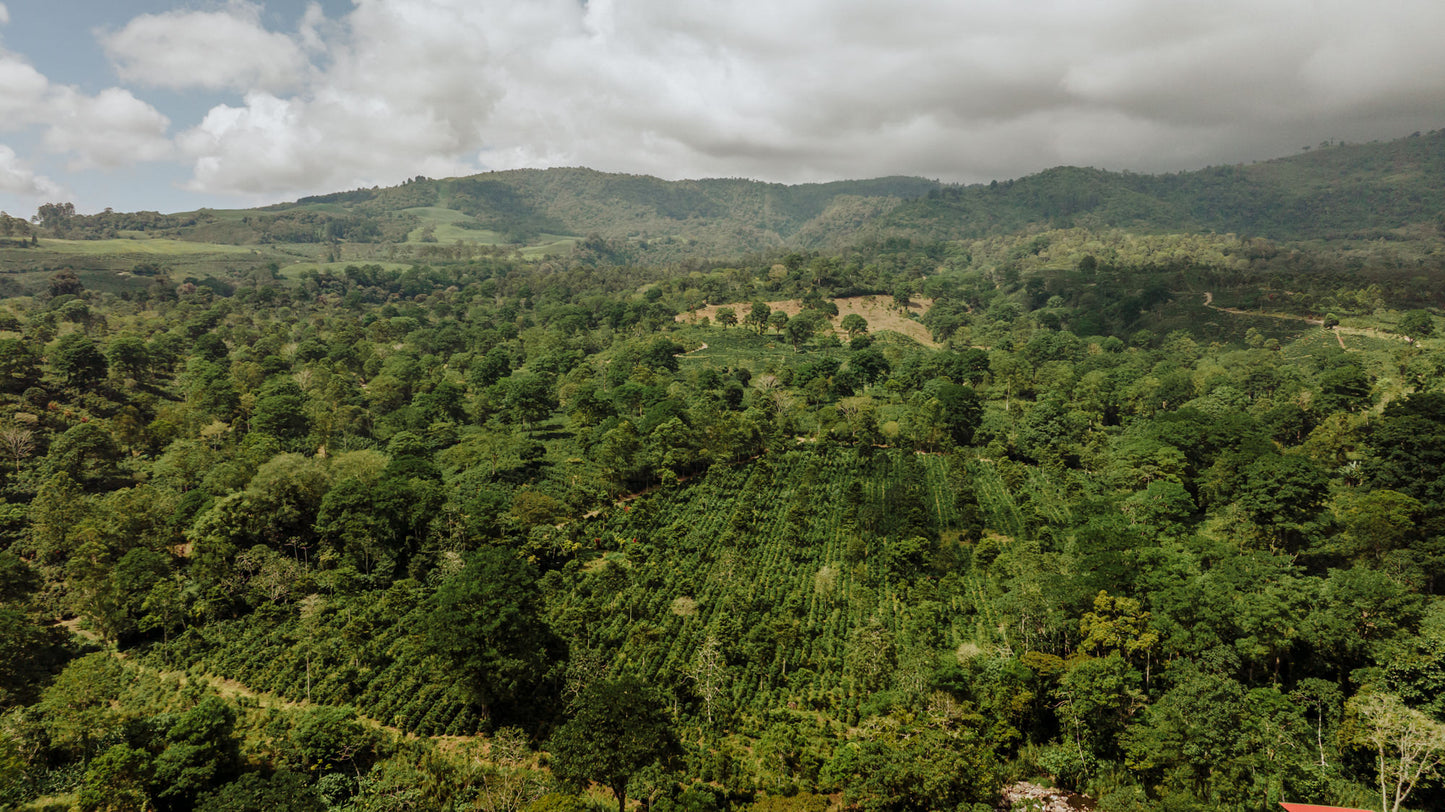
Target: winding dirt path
x,y
1337,330
1209,303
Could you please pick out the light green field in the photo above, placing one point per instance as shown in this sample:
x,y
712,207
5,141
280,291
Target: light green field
x,y
443,223
549,244
160,247
445,229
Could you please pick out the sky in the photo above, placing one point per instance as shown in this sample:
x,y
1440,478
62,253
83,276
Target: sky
x,y
180,104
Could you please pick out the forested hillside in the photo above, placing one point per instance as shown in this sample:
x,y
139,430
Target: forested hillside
x,y
1340,192
1390,191
1155,516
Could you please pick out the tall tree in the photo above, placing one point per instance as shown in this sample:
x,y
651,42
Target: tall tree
x,y
488,625
77,361
1409,746
620,727
758,316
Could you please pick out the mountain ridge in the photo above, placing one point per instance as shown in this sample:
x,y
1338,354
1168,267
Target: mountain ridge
x,y
1389,190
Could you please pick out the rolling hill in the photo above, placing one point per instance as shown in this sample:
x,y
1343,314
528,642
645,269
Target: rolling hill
x,y
1342,192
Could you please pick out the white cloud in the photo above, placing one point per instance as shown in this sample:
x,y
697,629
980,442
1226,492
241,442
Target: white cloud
x,y
23,92
4,15
17,178
227,49
806,89
107,131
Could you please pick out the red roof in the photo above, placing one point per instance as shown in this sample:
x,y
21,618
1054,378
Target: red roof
x,y
1315,808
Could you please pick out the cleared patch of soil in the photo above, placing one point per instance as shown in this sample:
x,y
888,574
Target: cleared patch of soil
x,y
878,311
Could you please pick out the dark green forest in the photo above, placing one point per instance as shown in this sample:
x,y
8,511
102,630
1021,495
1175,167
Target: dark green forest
x,y
1131,486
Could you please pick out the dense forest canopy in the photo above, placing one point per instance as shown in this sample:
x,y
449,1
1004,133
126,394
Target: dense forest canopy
x,y
1051,482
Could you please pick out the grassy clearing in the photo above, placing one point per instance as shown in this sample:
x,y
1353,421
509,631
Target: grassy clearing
x,y
443,226
155,247
446,227
557,244
879,311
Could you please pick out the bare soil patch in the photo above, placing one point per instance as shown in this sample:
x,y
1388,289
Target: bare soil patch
x,y
878,311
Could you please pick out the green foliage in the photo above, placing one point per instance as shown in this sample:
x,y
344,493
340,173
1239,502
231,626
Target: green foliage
x,y
254,792
118,781
77,705
327,739
487,624
200,751
1416,324
281,412
1134,525
617,728
77,361
915,769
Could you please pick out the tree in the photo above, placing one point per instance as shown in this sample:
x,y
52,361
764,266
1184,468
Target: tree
x,y
80,708
1345,387
85,452
962,410
201,751
662,353
330,738
800,328
19,365
77,361
116,781
254,792
727,317
620,727
777,320
54,216
17,443
529,397
488,625
281,412
129,356
30,643
870,364
1409,746
1283,493
944,765
758,316
854,325
1417,324
709,673
65,283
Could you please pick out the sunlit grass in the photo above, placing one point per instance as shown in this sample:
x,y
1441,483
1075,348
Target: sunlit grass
x,y
159,247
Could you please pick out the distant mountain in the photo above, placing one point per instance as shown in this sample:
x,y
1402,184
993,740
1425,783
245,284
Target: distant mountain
x,y
707,217
1389,190
1354,191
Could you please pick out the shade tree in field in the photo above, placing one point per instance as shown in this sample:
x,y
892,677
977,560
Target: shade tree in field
x,y
854,325
617,728
758,316
488,626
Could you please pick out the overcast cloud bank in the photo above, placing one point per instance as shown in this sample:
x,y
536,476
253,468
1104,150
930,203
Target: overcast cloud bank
x,y
789,91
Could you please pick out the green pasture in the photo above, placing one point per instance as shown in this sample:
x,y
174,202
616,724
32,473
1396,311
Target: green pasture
x,y
446,228
549,244
150,247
